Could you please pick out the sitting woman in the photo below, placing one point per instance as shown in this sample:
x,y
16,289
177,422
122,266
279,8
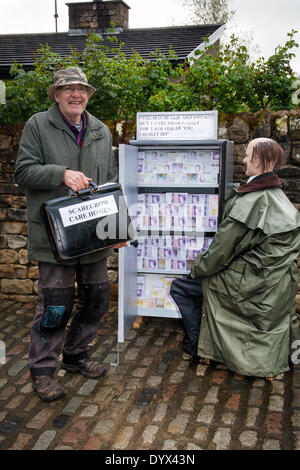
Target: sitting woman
x,y
238,304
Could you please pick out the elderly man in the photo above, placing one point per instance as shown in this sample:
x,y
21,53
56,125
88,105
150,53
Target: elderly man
x,y
247,280
64,147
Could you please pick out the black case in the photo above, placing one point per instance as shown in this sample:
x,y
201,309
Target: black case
x,y
87,221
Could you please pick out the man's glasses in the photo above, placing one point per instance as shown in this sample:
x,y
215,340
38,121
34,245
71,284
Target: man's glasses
x,y
70,89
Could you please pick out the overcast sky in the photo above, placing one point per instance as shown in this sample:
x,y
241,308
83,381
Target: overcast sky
x,y
266,21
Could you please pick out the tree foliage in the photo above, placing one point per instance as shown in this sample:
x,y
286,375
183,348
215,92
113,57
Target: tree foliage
x,y
226,81
210,11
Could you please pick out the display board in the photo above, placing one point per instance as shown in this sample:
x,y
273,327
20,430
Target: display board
x,y
176,192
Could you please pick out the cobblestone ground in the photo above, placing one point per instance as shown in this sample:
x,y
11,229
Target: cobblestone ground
x,y
153,400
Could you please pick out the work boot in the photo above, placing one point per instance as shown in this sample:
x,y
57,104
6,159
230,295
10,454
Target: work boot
x,y
47,388
88,368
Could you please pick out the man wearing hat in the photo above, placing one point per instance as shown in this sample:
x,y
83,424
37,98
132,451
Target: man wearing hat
x,y
64,147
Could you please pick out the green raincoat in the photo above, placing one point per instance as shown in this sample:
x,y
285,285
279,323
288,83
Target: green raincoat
x,y
250,280
47,148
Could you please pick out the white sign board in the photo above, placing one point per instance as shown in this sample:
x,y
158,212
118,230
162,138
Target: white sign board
x,y
88,210
191,125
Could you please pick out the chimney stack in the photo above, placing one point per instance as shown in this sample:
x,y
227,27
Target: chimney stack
x,y
97,16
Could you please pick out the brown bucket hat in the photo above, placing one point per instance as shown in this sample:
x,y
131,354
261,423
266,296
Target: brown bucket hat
x,y
70,76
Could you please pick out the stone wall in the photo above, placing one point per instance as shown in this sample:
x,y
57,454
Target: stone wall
x,y
19,278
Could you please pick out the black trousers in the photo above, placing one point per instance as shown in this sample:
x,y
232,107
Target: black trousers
x,y
54,309
187,294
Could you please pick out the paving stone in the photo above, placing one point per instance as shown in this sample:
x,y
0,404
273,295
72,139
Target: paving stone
x,y
295,419
176,377
201,369
3,382
149,433
10,424
73,405
159,341
39,420
154,381
16,368
274,423
251,418
296,437
142,341
145,397
15,402
160,412
27,388
193,446
71,437
222,438
248,438
296,397
132,354
271,444
206,414
32,403
21,442
256,397
44,440
277,387
169,392
147,361
178,425
7,392
87,387
63,448
134,416
276,403
219,376
194,386
123,437
16,350
169,444
169,356
201,433
228,418
212,395
94,443
103,426
125,396
188,403
3,415
89,411
234,401
102,395
161,368
296,378
60,421
140,372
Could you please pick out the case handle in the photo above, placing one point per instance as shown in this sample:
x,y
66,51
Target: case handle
x,y
83,192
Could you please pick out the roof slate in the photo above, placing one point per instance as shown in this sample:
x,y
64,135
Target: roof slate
x,y
183,39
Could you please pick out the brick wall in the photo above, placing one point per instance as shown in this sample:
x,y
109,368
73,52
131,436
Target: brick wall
x,y
19,278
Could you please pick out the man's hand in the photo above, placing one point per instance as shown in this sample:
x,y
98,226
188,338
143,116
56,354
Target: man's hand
x,y
120,245
76,180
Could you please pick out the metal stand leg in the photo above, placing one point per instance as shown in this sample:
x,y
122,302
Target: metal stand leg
x,y
118,357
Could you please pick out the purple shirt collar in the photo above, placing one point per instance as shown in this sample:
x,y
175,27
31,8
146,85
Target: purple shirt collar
x,y
78,134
